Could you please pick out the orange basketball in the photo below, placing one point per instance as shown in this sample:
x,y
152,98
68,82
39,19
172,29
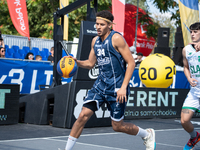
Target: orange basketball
x,y
66,67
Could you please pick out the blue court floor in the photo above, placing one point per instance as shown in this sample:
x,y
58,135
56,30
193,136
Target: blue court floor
x,y
169,135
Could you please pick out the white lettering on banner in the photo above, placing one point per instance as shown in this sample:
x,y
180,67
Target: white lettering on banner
x,y
173,97
20,15
141,98
17,3
142,29
21,76
48,79
143,45
3,117
34,82
130,99
91,31
2,78
94,72
79,99
132,84
130,113
152,98
2,97
144,98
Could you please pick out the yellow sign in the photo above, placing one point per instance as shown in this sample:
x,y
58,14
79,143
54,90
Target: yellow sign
x,y
64,3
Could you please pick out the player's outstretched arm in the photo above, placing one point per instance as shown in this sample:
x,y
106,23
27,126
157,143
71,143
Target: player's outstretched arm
x,y
90,62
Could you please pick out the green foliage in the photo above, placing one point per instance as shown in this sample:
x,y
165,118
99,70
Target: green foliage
x,y
6,25
165,5
40,15
151,28
142,3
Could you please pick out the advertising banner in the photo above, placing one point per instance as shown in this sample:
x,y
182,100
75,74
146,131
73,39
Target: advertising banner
x,y
155,103
18,14
9,104
119,16
143,44
28,74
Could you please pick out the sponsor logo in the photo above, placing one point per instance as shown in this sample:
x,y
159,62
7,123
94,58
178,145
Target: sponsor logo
x,y
101,113
91,31
2,97
152,99
3,117
94,72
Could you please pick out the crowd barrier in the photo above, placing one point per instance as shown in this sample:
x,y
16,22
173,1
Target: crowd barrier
x,y
30,74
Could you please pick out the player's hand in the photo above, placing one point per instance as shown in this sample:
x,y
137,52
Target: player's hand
x,y
193,82
121,95
69,56
197,46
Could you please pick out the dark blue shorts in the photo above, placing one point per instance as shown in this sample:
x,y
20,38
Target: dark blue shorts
x,y
94,100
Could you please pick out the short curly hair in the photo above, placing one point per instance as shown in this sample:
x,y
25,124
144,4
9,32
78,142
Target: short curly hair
x,y
105,14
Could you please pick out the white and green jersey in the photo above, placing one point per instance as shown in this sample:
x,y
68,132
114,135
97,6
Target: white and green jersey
x,y
193,58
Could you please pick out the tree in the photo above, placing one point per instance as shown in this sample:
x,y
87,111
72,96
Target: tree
x,y
40,17
40,14
142,3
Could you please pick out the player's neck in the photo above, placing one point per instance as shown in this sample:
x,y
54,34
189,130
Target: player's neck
x,y
105,36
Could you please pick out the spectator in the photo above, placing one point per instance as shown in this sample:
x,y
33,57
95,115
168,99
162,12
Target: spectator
x,y
1,41
2,52
51,57
38,57
139,59
29,56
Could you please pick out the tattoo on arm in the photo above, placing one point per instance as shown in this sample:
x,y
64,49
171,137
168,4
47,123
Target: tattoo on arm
x,y
186,111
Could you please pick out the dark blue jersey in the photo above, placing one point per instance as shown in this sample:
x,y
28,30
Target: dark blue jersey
x,y
111,66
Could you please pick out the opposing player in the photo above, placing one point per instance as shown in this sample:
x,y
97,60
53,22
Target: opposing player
x,y
111,52
191,62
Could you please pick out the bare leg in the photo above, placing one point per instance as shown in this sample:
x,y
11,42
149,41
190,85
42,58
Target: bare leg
x,y
78,126
186,116
125,127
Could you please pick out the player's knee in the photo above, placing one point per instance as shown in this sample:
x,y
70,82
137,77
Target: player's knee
x,y
83,117
116,126
184,121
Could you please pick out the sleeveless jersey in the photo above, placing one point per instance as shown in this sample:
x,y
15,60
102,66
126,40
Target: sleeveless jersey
x,y
111,66
193,59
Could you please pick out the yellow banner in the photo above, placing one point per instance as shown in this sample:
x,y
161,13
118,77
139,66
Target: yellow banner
x,y
189,13
64,3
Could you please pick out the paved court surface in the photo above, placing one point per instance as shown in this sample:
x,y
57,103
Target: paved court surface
x,y
169,135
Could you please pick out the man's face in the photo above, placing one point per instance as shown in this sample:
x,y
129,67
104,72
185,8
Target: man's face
x,y
52,51
102,27
2,52
195,35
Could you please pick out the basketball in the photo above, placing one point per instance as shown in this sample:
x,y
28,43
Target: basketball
x,y
157,71
66,67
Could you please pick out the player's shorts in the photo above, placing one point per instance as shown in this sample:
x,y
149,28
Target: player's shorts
x,y
95,100
191,102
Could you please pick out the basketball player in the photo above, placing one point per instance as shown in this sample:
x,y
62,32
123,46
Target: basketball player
x,y
111,52
191,104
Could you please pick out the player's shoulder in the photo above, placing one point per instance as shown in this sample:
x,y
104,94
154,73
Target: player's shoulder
x,y
94,40
117,37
